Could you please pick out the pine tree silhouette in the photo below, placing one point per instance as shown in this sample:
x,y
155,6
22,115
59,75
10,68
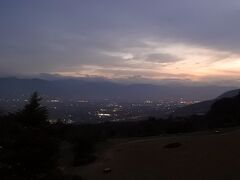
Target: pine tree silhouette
x,y
33,114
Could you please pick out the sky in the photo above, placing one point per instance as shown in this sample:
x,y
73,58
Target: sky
x,y
155,41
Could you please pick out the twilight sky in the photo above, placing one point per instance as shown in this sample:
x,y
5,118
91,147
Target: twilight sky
x,y
157,41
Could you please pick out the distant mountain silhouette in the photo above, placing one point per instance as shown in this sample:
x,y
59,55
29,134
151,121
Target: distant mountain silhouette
x,y
203,107
98,90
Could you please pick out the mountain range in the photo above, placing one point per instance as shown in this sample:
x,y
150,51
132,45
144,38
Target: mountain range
x,y
100,89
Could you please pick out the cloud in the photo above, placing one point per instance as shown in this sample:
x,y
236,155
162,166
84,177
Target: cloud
x,y
161,58
154,39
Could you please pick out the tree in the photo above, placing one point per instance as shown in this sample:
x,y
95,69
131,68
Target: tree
x,y
33,114
28,150
225,112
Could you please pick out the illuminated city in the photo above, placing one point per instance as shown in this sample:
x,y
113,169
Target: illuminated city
x,y
82,110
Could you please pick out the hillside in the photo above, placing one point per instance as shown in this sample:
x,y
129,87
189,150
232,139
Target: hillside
x,y
200,156
203,107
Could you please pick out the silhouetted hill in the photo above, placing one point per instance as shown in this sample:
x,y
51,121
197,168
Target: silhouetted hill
x,y
198,108
203,107
231,93
225,112
98,90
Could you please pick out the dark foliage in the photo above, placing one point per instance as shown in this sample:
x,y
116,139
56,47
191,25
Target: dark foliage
x,y
31,154
28,150
33,113
83,138
225,112
29,145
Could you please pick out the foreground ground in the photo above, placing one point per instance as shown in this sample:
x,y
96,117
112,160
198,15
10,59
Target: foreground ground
x,y
201,156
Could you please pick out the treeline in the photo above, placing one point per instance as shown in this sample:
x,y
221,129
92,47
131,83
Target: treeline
x,y
149,127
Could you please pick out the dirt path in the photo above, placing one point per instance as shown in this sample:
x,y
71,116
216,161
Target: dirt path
x,y
210,156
